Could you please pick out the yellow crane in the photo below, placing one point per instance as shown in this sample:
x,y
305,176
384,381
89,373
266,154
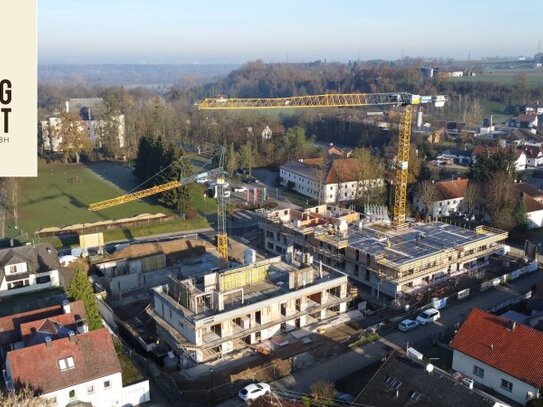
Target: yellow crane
x,y
222,237
349,100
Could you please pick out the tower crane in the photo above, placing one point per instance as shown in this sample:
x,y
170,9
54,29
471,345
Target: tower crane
x,y
222,237
407,100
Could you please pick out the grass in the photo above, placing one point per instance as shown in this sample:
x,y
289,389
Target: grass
x,y
494,108
372,337
129,371
60,195
534,78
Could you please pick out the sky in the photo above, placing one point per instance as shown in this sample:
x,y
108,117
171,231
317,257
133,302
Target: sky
x,y
235,31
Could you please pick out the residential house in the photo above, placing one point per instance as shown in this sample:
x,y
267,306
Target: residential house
x,y
534,156
500,354
533,201
407,381
337,152
338,180
520,156
527,120
536,108
55,355
458,156
447,201
88,110
28,268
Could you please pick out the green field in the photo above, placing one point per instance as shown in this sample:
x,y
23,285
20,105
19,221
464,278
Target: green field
x,y
534,78
60,196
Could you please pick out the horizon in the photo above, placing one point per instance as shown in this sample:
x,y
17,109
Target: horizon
x,y
207,33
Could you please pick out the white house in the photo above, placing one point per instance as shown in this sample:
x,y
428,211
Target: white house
x,y
86,109
71,369
447,201
336,181
534,156
28,268
500,354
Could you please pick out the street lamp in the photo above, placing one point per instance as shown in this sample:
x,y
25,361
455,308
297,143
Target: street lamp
x,y
205,205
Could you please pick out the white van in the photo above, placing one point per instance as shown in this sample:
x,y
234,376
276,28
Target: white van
x,y
428,315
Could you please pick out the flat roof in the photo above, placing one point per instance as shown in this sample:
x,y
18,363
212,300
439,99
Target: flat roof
x,y
413,243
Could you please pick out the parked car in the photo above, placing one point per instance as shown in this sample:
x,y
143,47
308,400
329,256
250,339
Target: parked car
x,y
227,193
254,391
201,180
428,315
407,325
240,189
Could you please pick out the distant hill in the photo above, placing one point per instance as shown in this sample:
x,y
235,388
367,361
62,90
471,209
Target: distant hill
x,y
187,75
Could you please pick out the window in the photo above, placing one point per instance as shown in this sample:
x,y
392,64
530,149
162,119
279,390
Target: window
x,y
71,394
65,364
90,389
508,386
478,371
107,384
70,361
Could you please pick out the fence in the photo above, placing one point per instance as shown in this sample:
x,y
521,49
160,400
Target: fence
x,y
465,293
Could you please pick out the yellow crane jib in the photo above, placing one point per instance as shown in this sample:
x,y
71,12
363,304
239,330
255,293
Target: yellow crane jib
x,y
322,101
97,206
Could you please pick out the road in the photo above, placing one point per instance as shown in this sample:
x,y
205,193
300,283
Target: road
x,y
355,360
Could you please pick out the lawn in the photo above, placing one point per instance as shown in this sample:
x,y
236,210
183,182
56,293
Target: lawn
x,y
60,196
534,78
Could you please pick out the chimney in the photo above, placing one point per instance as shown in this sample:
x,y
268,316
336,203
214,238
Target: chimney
x,y
66,307
48,341
511,325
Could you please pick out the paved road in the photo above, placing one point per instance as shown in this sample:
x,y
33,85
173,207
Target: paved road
x,y
352,361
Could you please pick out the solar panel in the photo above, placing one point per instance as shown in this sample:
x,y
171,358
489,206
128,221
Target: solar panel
x,y
415,396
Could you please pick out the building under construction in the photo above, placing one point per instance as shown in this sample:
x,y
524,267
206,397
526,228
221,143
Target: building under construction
x,y
388,260
226,311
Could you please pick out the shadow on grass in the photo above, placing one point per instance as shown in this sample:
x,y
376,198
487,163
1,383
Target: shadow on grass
x,y
117,173
127,233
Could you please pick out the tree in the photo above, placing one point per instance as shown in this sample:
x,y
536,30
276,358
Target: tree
x,y
487,165
471,198
324,393
81,289
73,135
425,173
108,127
24,397
519,215
427,194
247,158
232,160
500,200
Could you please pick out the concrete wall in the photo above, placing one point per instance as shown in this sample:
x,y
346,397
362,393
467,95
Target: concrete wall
x,y
535,219
138,281
136,394
492,378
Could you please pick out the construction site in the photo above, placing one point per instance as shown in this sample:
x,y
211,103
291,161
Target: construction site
x,y
389,261
220,313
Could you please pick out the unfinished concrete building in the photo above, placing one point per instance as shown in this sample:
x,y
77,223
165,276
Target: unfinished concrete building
x,y
389,261
241,307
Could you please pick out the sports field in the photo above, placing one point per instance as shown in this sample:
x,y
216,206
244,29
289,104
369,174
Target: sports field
x,y
60,196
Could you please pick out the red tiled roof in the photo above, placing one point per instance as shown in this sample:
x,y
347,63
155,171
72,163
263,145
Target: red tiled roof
x,y
29,328
451,189
37,366
342,170
9,325
531,151
531,204
517,352
481,149
530,117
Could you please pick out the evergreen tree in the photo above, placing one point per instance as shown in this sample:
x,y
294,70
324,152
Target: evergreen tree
x,y
488,165
519,213
81,289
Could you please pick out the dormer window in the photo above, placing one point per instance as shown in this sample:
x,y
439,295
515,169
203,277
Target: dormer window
x,y
66,364
16,268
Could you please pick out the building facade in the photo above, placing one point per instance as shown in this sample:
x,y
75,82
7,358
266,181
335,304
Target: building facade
x,y
389,261
241,307
28,268
499,354
338,180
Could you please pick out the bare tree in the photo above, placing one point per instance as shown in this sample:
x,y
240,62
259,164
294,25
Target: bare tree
x,y
500,200
471,198
23,398
427,194
73,134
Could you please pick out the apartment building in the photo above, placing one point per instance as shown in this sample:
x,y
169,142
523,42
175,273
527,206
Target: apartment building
x,y
226,311
390,261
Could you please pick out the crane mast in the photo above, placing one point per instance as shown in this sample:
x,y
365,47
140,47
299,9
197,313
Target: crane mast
x,y
349,100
